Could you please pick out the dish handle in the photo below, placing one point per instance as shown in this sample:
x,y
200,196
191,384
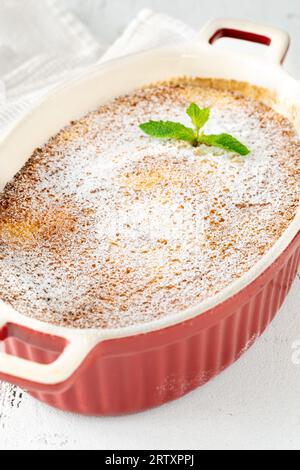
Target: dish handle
x,y
277,40
70,351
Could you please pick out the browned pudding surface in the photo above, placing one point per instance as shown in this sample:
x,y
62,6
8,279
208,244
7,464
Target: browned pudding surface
x,y
106,227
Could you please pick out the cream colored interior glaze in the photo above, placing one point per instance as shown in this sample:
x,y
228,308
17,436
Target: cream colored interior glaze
x,y
101,84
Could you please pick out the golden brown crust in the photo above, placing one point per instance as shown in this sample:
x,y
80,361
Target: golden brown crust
x,y
105,227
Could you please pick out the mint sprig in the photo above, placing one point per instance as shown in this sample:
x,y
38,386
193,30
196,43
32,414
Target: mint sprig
x,y
199,117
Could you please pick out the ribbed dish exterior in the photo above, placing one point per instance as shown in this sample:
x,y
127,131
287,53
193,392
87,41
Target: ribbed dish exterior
x,y
132,374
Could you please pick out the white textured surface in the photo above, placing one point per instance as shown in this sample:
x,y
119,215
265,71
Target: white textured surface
x,y
254,404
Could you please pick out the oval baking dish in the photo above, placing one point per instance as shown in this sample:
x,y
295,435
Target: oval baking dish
x,y
110,372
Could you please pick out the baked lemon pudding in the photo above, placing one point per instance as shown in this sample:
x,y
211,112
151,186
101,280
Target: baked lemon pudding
x,y
107,227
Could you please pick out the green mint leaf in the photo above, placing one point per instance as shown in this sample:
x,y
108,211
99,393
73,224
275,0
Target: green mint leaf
x,y
224,141
198,116
168,130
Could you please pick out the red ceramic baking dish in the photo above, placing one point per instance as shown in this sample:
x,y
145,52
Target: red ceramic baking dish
x,y
111,372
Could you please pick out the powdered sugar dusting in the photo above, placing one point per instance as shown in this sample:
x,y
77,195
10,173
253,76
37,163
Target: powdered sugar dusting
x,y
106,227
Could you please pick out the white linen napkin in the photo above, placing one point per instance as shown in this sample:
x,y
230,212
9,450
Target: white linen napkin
x,y
42,44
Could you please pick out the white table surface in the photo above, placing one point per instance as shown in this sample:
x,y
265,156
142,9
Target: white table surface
x,y
254,404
